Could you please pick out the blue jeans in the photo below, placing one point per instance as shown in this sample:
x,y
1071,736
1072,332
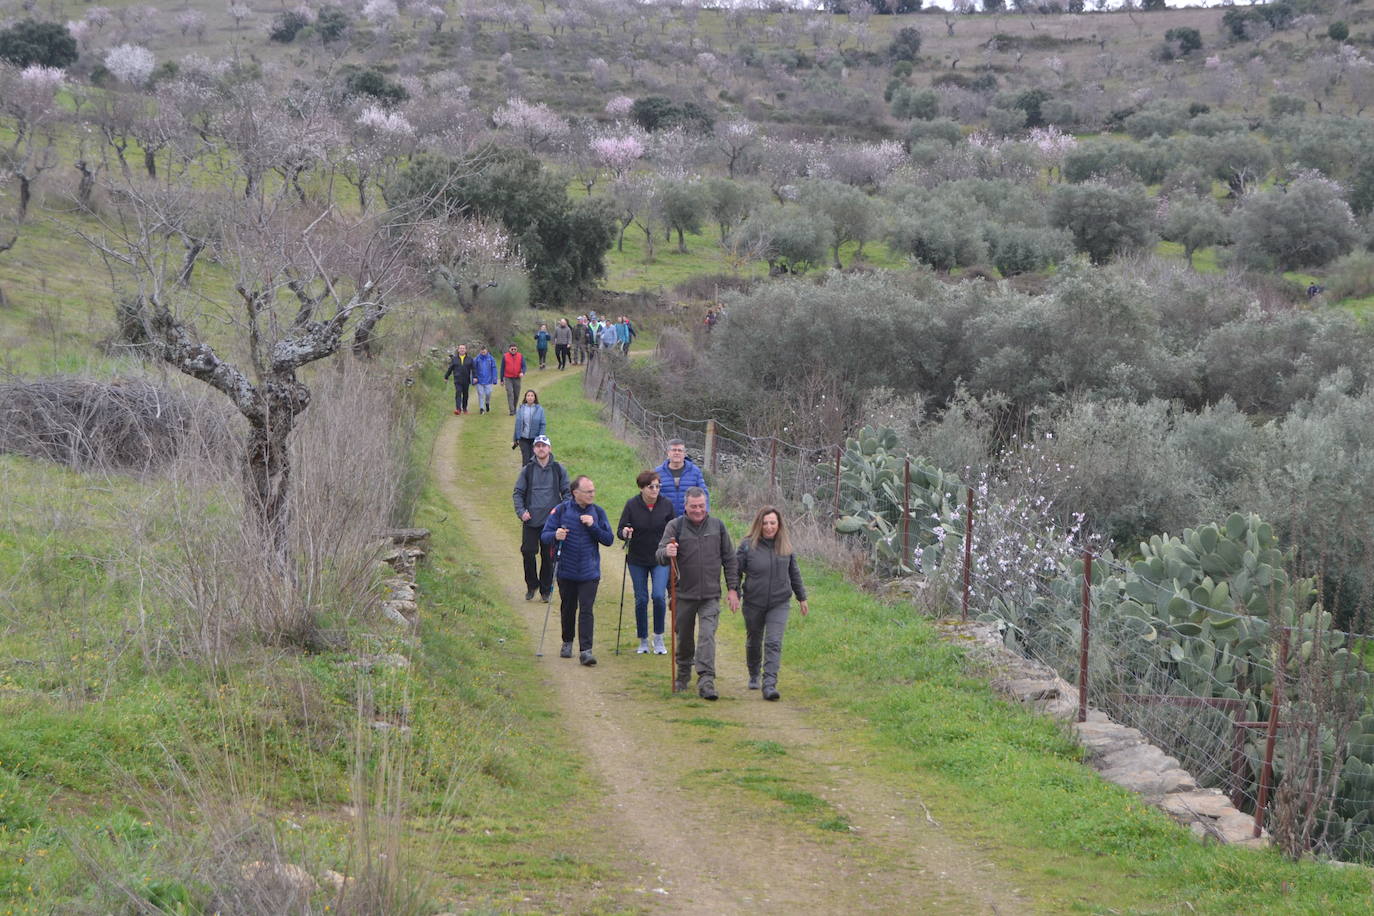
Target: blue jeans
x,y
642,576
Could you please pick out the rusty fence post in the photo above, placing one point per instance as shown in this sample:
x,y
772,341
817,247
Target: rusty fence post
x,y
838,453
968,554
1271,734
1083,642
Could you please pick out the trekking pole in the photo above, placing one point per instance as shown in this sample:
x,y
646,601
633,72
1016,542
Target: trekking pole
x,y
672,628
548,605
624,569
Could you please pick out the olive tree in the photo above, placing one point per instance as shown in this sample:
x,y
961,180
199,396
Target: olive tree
x,y
1104,220
1306,224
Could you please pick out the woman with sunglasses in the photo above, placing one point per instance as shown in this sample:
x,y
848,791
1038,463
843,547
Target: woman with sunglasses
x,y
641,526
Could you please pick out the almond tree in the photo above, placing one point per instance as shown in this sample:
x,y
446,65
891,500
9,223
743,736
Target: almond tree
x,y
301,279
28,98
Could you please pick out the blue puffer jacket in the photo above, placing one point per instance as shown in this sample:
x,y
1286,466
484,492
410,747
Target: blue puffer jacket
x,y
691,477
580,557
484,369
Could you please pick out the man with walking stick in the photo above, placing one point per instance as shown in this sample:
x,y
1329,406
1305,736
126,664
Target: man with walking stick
x,y
540,485
699,547
579,527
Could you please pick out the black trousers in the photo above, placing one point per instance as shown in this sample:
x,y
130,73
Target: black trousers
x,y
564,354
460,397
526,450
575,600
543,357
536,554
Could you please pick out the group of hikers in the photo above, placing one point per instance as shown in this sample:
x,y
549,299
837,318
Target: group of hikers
x,y
668,531
575,344
666,528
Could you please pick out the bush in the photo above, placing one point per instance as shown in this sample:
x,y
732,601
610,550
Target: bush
x,y
1338,31
915,104
905,45
1163,120
1004,122
1104,220
1019,249
940,234
1306,224
1351,276
1286,106
31,42
1188,39
374,85
1147,162
937,129
657,112
331,23
286,26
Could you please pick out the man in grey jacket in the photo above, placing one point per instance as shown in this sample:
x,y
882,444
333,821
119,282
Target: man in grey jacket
x,y
701,547
542,485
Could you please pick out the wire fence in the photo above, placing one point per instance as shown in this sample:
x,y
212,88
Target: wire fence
x,y
1270,705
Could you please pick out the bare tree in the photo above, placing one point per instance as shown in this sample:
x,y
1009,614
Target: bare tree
x,y
301,278
28,98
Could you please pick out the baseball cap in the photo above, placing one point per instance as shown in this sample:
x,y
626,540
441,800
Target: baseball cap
x,y
542,440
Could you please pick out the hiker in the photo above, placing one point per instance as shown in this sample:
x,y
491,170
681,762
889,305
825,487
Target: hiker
x,y
529,425
677,473
641,526
460,367
610,338
579,341
625,332
562,343
701,546
541,344
484,375
512,371
577,528
540,486
769,577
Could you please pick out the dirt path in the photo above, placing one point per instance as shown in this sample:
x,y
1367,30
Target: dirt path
x,y
693,833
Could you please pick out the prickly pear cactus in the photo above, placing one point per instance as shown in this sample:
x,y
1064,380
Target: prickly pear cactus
x,y
872,487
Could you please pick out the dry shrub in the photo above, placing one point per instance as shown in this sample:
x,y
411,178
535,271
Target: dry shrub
x,y
127,424
222,581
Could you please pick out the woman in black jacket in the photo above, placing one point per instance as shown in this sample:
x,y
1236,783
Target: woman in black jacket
x,y
641,524
769,577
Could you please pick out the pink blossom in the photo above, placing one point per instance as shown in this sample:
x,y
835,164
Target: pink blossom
x,y
617,153
620,106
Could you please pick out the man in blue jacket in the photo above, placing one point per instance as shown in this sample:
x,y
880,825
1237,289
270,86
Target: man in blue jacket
x,y
484,377
677,473
577,528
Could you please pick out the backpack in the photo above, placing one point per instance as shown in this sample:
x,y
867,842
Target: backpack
x,y
560,476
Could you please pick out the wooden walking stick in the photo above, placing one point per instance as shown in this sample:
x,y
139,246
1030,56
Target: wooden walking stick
x,y
672,627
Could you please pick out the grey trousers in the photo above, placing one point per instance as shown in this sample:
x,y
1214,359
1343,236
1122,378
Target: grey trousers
x,y
693,645
763,627
512,394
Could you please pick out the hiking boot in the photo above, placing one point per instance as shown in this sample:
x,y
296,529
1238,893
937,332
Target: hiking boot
x,y
548,596
457,413
643,647
659,648
753,682
529,595
587,658
707,689
771,693
566,651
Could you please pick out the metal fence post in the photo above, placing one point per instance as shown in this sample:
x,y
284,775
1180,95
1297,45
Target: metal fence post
x,y
614,399
838,452
968,553
773,464
906,512
1267,769
1083,642
710,456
